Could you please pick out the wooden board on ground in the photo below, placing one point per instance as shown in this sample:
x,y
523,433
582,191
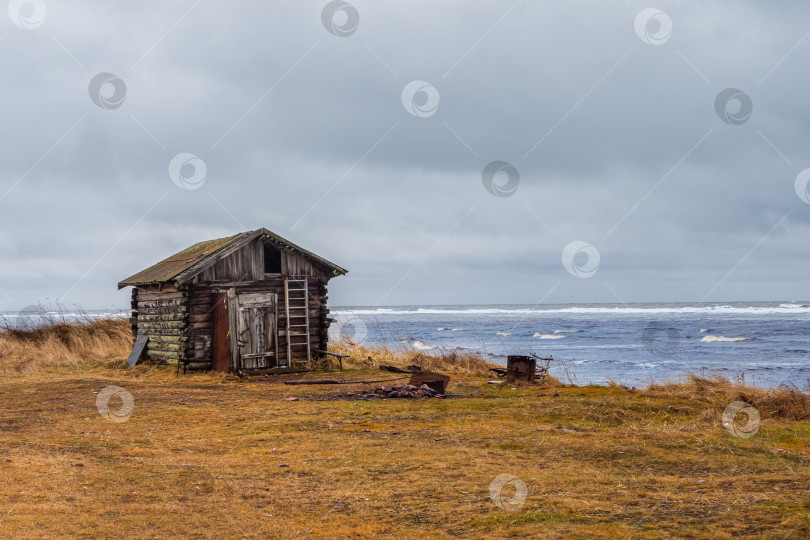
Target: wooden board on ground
x,y
137,351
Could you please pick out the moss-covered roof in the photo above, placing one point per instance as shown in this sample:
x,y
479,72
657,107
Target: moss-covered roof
x,y
190,261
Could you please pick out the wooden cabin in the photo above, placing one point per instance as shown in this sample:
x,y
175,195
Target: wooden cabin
x,y
252,301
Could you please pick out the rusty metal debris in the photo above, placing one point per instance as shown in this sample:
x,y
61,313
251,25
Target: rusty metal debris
x,y
520,368
524,368
435,381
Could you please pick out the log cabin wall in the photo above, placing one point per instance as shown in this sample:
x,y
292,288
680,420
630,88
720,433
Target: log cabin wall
x,y
179,320
200,330
161,314
200,310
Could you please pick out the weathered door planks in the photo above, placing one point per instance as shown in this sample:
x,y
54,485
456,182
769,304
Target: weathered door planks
x,y
257,330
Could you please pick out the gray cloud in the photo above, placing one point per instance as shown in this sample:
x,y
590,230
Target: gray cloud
x,y
628,153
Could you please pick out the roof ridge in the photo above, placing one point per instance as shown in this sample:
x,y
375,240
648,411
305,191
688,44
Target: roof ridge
x,y
189,262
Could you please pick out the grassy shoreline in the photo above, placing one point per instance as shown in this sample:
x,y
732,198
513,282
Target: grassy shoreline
x,y
209,455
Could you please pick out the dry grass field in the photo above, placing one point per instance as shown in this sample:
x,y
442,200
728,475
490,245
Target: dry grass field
x,y
211,456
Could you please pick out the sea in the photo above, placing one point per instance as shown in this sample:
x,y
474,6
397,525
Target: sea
x,y
764,344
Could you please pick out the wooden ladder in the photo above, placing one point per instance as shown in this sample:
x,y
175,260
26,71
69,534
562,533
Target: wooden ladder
x,y
296,291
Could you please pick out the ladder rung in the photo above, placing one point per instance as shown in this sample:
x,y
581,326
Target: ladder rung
x,y
296,300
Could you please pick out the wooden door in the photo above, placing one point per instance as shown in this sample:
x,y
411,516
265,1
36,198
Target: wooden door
x,y
256,330
221,350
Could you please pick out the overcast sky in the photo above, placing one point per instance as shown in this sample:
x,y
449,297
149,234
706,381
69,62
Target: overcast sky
x,y
304,118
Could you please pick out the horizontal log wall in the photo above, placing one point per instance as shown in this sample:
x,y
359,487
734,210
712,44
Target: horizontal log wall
x,y
179,322
200,327
161,314
200,309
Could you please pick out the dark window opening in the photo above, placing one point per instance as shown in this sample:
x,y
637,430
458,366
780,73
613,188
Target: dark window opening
x,y
272,260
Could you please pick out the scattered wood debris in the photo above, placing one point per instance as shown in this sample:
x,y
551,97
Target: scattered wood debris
x,y
335,381
397,391
395,369
401,391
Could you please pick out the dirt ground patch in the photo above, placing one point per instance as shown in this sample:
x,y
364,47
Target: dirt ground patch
x,y
206,456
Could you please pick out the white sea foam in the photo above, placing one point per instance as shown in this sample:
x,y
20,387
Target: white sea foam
x,y
785,309
780,365
717,339
422,346
549,336
704,330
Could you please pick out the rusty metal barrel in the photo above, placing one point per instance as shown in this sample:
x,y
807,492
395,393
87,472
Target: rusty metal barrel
x,y
520,368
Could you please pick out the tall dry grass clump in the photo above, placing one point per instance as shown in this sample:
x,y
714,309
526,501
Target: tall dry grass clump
x,y
362,357
58,342
785,401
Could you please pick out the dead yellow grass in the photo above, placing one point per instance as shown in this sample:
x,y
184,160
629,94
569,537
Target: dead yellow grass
x,y
108,342
60,343
211,456
446,362
782,402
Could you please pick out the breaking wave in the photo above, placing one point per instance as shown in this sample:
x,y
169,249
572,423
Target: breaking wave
x,y
422,346
788,309
716,339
